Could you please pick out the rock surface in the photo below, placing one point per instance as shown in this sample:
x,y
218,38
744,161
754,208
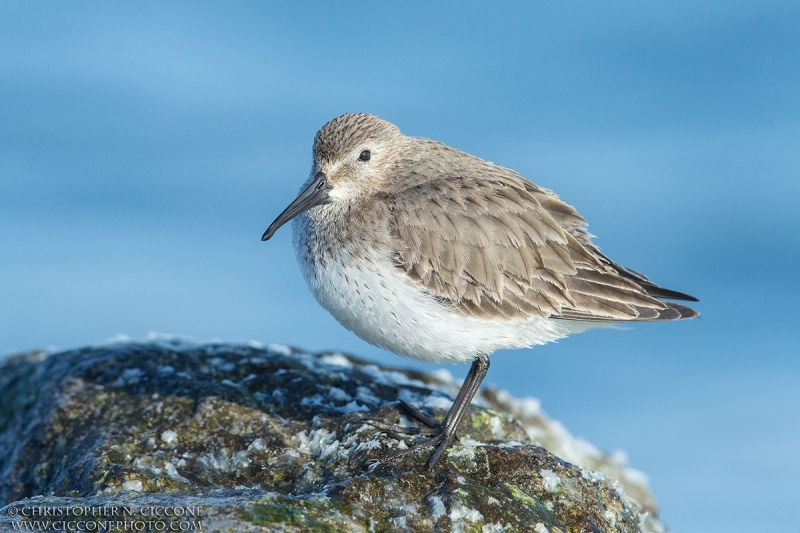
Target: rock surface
x,y
246,438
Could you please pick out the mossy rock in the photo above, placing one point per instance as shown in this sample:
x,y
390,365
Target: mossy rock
x,y
275,439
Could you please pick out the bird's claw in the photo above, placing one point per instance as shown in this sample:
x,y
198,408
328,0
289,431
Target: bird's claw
x,y
435,433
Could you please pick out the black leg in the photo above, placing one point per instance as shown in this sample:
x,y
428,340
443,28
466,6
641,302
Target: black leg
x,y
452,420
441,435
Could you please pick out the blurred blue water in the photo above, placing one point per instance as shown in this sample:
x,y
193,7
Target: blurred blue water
x,y
144,148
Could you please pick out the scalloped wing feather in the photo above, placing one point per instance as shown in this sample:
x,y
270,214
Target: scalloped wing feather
x,y
491,244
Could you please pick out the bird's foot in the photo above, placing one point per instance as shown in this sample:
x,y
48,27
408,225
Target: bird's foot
x,y
419,415
436,433
440,441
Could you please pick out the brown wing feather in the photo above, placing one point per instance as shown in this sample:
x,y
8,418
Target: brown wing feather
x,y
569,219
498,246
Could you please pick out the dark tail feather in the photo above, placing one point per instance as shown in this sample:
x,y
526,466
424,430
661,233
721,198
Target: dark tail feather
x,y
651,288
660,292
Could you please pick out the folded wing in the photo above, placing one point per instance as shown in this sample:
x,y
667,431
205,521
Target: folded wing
x,y
497,246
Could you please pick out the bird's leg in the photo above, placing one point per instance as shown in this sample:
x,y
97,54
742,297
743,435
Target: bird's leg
x,y
452,420
442,435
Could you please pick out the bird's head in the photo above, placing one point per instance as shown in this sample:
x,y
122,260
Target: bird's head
x,y
352,157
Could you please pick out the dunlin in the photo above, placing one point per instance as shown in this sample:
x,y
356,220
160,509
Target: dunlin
x,y
438,255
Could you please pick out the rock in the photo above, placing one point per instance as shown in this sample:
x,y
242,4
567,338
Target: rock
x,y
245,438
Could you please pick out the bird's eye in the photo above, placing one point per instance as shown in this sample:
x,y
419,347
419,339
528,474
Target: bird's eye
x,y
364,156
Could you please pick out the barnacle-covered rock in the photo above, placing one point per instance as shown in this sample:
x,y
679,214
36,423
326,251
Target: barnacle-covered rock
x,y
252,438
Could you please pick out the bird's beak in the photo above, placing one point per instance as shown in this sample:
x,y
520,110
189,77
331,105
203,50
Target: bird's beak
x,y
314,194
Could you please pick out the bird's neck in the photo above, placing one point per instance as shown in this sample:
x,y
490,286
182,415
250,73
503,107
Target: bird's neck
x,y
351,224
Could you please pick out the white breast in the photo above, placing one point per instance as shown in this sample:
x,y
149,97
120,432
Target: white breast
x,y
377,301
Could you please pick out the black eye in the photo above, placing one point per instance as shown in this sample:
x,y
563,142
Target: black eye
x,y
364,156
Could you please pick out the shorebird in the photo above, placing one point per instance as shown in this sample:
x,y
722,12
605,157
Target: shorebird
x,y
438,255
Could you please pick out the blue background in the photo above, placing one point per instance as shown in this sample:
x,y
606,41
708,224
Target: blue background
x,y
145,146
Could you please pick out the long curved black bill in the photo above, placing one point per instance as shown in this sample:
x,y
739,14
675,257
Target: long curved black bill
x,y
316,193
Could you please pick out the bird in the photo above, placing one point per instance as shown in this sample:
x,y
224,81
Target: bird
x,y
438,255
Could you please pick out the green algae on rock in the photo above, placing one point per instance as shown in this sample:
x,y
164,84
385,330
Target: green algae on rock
x,y
276,439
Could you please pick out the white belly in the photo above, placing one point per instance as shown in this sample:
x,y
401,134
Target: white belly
x,y
381,304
